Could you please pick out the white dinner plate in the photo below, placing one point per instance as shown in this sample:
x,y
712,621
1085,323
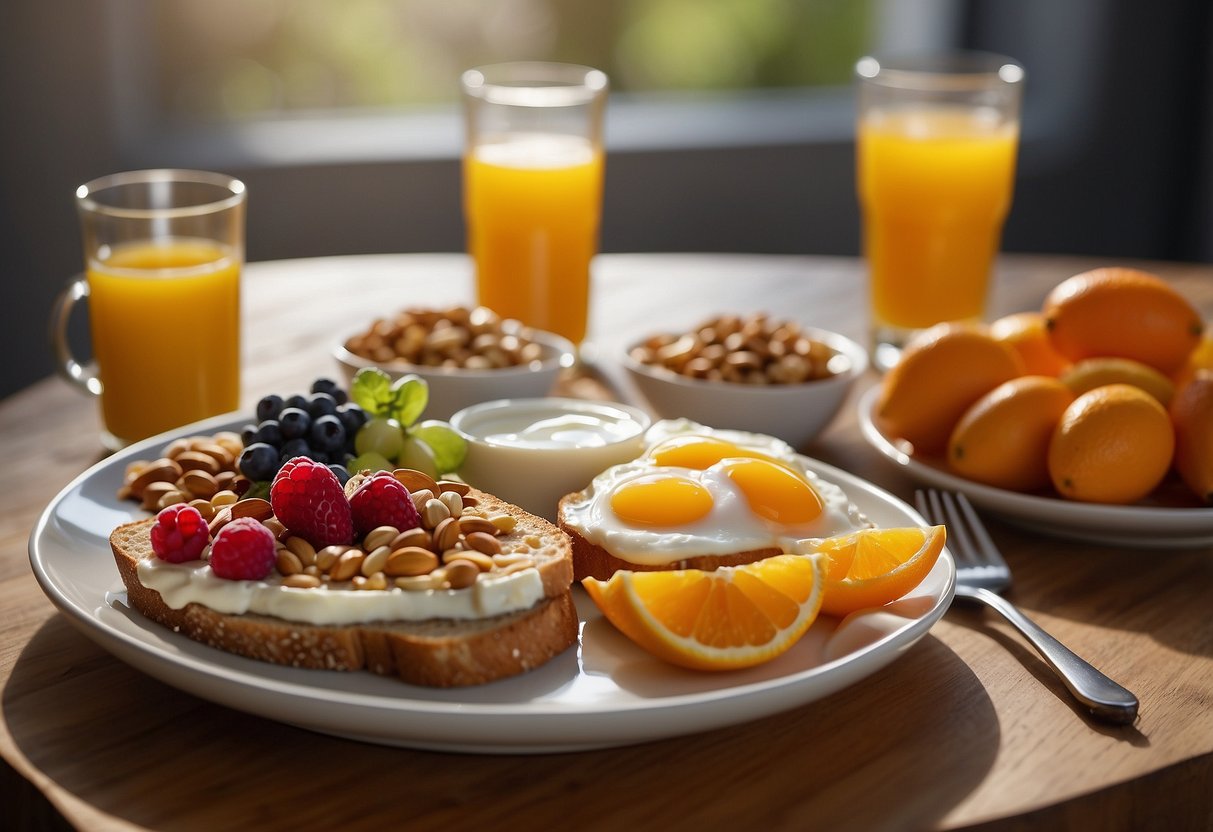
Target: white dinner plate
x,y
603,692
1157,527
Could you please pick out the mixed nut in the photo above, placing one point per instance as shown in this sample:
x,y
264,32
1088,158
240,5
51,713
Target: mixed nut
x,y
199,470
455,544
751,350
458,337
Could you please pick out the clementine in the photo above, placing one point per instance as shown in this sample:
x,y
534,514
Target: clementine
x,y
1122,313
1003,439
1113,445
942,372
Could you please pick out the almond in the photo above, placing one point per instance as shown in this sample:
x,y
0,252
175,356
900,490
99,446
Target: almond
x,y
460,573
153,492
254,507
471,523
199,484
412,537
415,480
347,565
446,534
460,488
410,561
195,461
160,470
483,542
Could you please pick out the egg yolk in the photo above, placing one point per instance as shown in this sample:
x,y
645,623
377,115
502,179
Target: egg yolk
x,y
774,492
700,452
664,501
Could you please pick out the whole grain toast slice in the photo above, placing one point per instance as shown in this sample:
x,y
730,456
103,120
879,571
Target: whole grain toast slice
x,y
436,652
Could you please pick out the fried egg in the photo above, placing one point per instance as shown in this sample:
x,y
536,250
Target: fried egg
x,y
699,491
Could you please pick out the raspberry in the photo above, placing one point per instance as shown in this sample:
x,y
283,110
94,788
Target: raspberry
x,y
179,534
243,550
383,501
307,497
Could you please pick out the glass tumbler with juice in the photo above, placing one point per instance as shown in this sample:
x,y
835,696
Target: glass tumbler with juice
x,y
163,256
533,171
936,148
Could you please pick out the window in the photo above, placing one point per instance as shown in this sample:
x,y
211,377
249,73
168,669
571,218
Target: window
x,y
229,81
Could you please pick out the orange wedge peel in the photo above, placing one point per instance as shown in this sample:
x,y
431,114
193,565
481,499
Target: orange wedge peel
x,y
728,618
873,567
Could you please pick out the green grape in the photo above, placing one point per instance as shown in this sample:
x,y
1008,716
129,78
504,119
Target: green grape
x,y
418,456
370,461
381,436
449,447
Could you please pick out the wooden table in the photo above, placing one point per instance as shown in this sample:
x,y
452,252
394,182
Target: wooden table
x,y
968,729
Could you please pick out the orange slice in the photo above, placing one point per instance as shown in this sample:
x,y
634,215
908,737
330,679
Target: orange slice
x,y
871,567
729,618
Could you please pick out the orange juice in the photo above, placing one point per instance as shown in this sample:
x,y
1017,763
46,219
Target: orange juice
x,y
935,186
533,203
165,319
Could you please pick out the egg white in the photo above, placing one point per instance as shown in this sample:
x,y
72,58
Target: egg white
x,y
730,527
670,428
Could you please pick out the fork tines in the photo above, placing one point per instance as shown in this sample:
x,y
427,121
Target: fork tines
x,y
968,536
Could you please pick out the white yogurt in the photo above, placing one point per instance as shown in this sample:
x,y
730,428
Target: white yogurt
x,y
531,452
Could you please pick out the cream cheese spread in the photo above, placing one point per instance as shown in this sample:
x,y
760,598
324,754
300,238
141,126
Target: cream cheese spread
x,y
180,584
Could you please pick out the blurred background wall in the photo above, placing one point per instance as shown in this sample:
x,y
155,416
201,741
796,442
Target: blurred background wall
x,y
730,126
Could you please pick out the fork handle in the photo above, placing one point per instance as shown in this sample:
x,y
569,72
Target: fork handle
x,y
1107,700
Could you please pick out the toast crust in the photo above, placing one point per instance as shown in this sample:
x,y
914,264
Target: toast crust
x,y
434,653
592,561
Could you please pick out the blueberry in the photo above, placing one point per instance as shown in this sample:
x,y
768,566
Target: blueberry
x,y
269,407
327,385
319,456
342,473
327,434
321,404
248,435
352,417
270,432
259,461
292,448
298,401
324,385
347,458
295,423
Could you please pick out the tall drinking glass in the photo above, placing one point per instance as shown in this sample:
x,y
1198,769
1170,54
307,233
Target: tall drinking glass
x,y
163,251
936,144
532,189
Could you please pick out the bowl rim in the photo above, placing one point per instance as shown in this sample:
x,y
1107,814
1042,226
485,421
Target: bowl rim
x,y
560,354
459,418
838,342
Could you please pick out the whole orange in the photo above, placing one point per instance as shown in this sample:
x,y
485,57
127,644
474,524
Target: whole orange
x,y
1025,333
1096,372
1200,358
1192,415
1122,313
942,371
1003,439
1114,444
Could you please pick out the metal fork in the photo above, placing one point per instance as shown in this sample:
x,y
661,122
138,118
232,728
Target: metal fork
x,y
981,573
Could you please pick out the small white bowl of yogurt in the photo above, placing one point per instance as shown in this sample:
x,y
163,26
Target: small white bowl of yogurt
x,y
531,452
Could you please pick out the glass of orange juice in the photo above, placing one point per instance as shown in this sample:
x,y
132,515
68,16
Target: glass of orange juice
x,y
532,189
936,144
163,251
